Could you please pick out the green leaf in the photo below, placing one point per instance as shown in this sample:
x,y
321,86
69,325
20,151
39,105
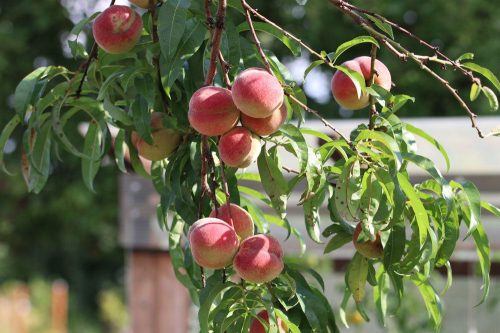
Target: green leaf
x,y
4,137
291,44
171,25
347,45
370,198
385,27
430,297
80,25
312,66
208,295
58,127
117,113
472,201
492,98
466,56
395,246
475,90
356,275
417,206
357,79
93,149
492,209
339,240
484,72
483,253
347,190
392,147
39,158
23,95
142,118
431,140
298,143
193,37
119,150
380,293
273,181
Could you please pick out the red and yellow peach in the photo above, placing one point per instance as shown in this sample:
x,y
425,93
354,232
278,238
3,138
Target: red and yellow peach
x,y
344,90
117,29
237,217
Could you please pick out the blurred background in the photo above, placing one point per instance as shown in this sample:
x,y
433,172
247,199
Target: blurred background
x,y
63,243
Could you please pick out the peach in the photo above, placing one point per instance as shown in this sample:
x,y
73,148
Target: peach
x,y
343,88
259,259
213,243
165,140
257,327
143,3
117,29
237,217
369,248
257,93
239,147
212,111
268,125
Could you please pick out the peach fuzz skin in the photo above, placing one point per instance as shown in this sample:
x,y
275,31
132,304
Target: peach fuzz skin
x,y
369,248
213,243
257,93
237,217
239,148
257,327
165,140
212,111
343,88
266,126
259,259
117,29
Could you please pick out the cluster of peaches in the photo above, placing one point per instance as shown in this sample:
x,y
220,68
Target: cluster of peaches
x,y
227,237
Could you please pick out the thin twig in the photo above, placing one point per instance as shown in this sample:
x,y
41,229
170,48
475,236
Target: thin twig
x,y
405,54
86,65
225,70
373,107
216,40
256,40
323,120
445,61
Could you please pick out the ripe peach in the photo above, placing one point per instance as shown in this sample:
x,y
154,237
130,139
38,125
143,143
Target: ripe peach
x,y
343,88
165,140
257,327
213,243
143,3
236,216
212,111
369,248
239,147
259,259
268,125
257,93
117,29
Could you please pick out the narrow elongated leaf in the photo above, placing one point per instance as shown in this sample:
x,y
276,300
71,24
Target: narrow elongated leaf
x,y
4,137
475,90
380,293
386,28
171,25
339,240
417,206
489,207
356,276
484,72
431,299
93,149
298,143
431,140
357,79
347,45
492,98
291,44
273,181
24,91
